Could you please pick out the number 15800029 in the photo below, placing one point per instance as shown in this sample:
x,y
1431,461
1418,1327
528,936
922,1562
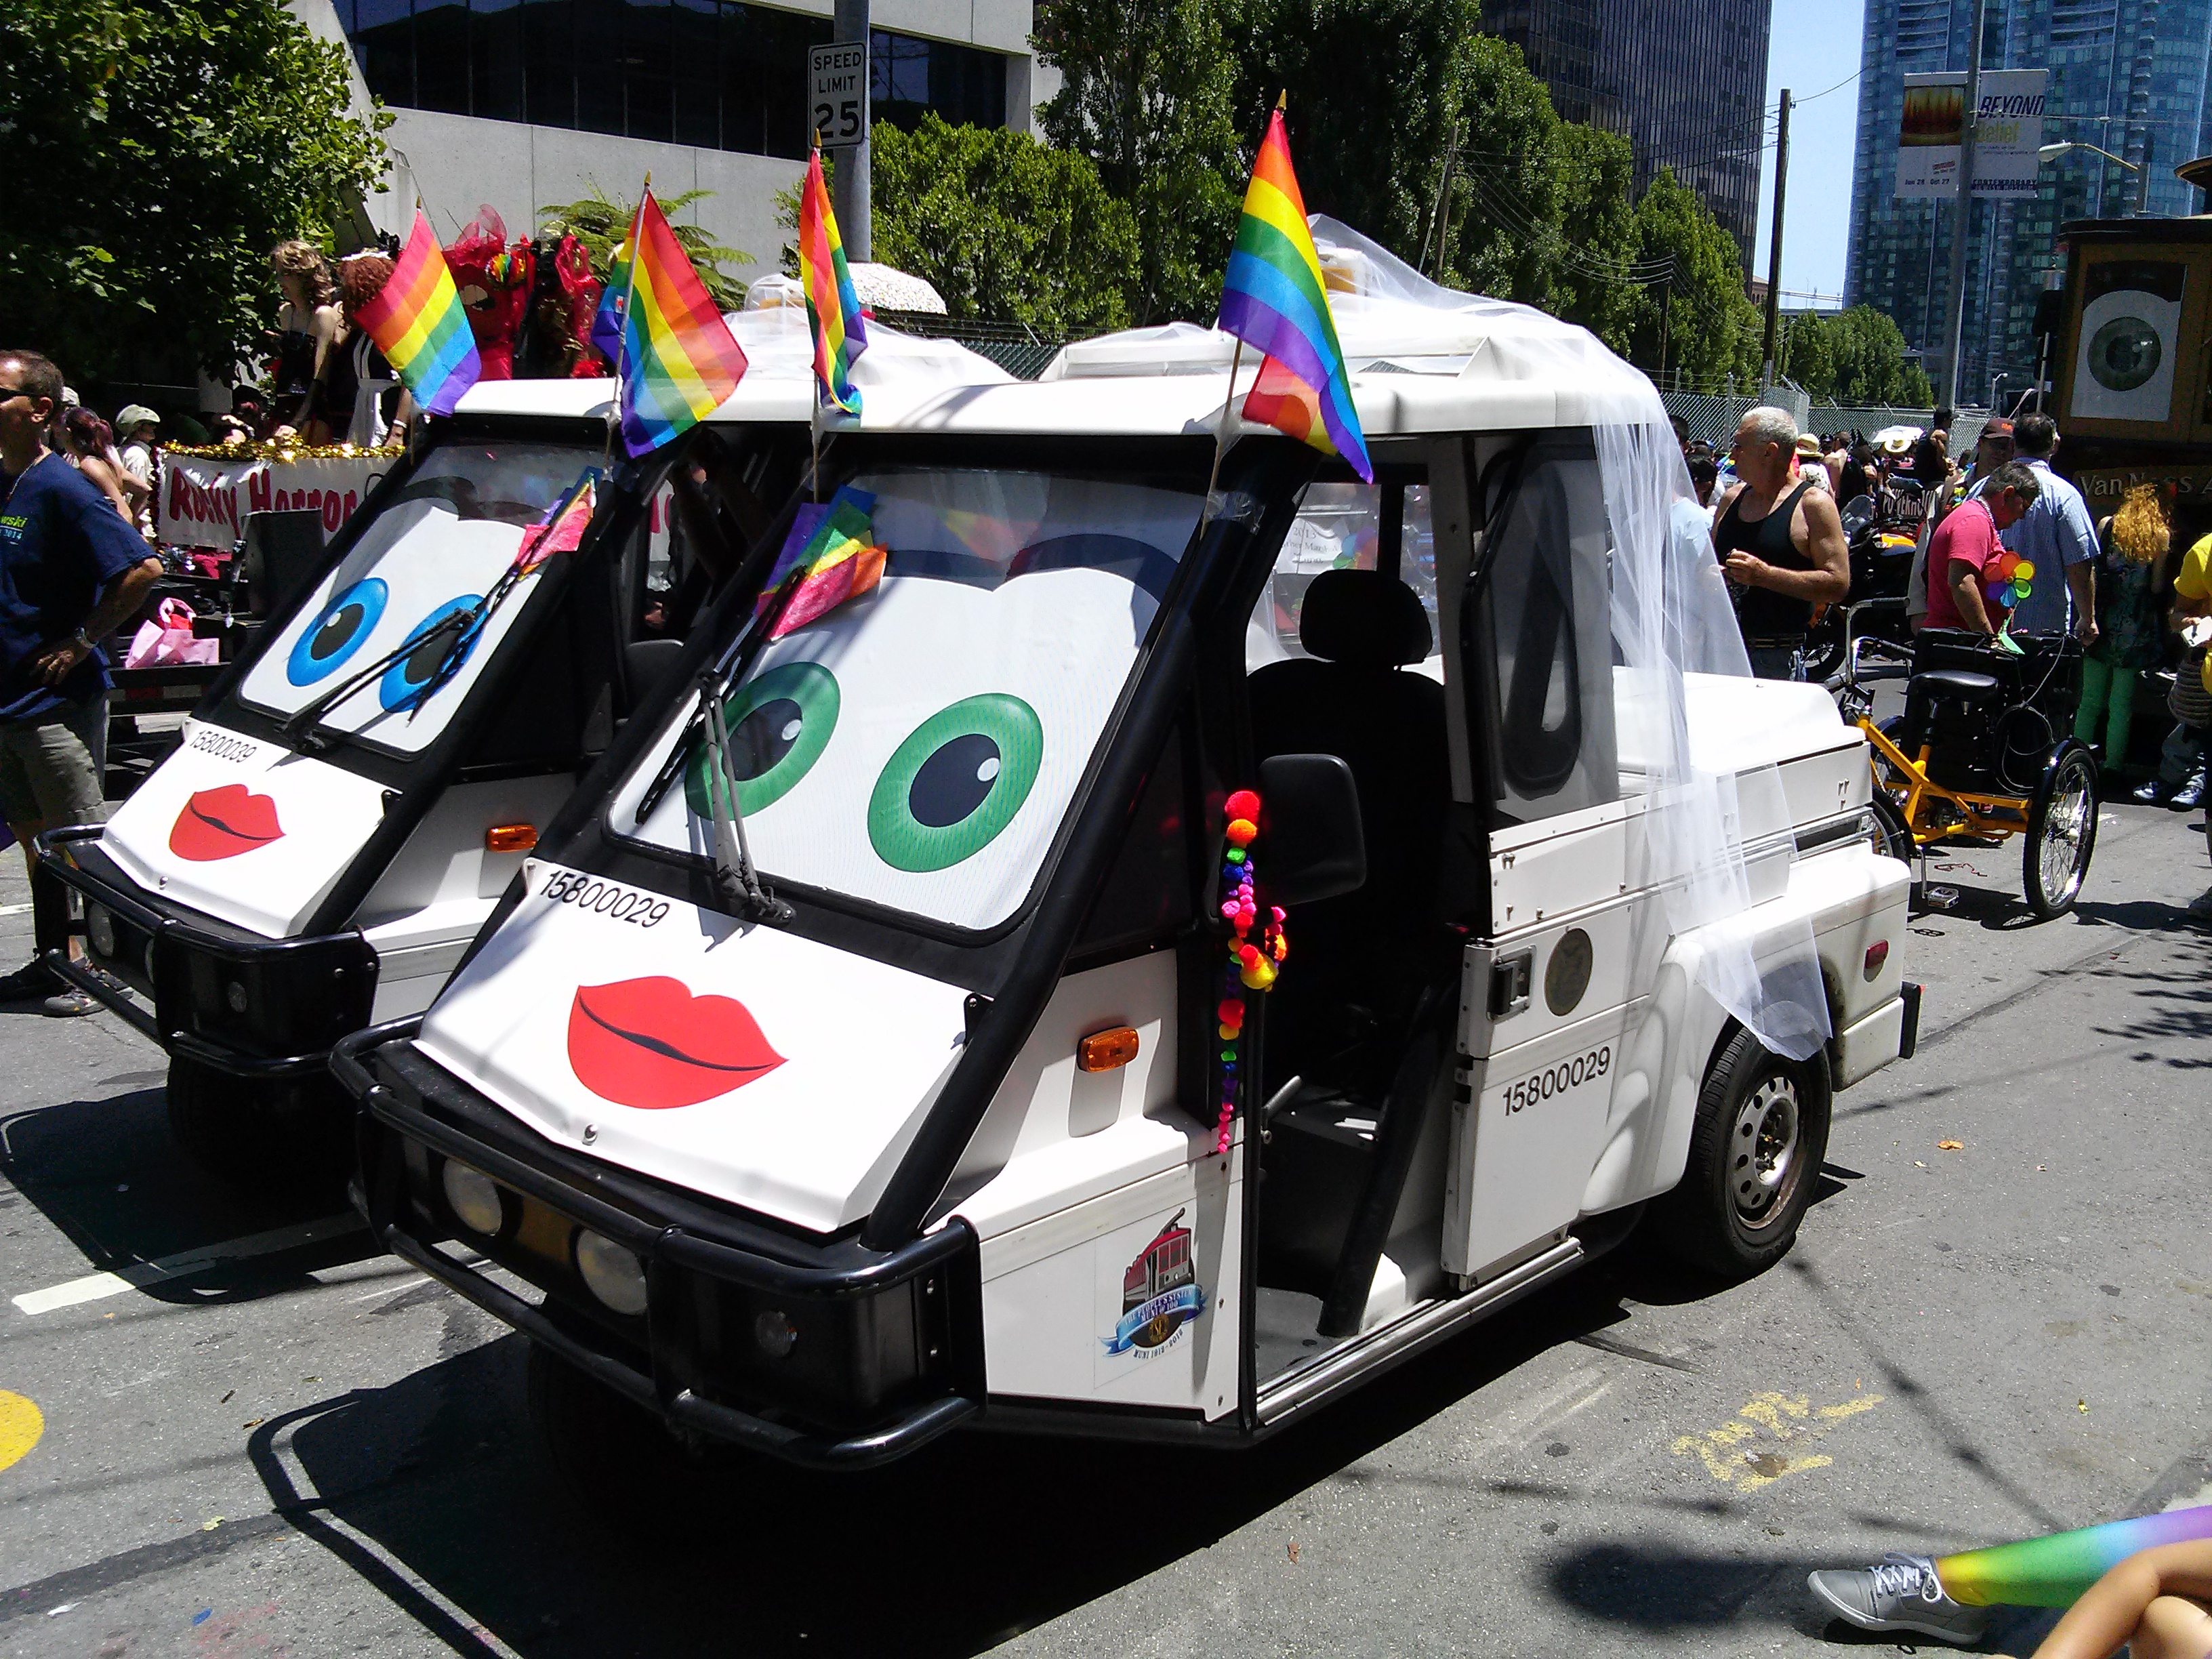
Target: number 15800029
x,y
1556,1080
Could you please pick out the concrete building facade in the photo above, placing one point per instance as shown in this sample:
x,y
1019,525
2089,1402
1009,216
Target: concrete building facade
x,y
524,104
2131,76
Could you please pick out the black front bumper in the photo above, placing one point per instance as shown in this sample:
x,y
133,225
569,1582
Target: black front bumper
x,y
299,994
892,1341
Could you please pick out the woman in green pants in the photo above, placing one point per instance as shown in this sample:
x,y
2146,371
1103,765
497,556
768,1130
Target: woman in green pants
x,y
2128,641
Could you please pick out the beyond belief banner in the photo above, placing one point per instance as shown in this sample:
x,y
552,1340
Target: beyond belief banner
x,y
1932,124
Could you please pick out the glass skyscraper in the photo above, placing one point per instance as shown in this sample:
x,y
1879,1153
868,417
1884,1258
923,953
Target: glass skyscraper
x,y
1686,84
2131,76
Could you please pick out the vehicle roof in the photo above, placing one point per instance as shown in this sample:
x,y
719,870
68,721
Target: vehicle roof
x,y
897,370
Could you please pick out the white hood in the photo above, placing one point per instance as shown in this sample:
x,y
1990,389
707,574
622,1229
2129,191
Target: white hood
x,y
749,1065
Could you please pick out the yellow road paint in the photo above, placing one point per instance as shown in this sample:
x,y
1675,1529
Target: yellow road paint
x,y
21,1425
1740,1453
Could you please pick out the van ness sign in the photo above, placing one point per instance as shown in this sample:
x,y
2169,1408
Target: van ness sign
x,y
203,502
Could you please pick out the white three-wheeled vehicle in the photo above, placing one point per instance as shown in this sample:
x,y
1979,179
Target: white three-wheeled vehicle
x,y
353,793
923,1082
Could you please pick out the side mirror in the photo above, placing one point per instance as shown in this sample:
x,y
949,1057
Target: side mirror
x,y
1312,846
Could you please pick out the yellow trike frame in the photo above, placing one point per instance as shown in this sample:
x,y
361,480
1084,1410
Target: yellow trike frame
x,y
1998,816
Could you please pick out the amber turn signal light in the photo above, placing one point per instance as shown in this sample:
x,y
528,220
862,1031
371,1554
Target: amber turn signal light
x,y
1103,1051
510,838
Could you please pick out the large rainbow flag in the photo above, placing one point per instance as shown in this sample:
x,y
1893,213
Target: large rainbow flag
x,y
833,310
679,359
417,323
1273,299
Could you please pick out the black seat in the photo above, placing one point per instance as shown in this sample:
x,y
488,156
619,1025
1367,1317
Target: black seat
x,y
1358,963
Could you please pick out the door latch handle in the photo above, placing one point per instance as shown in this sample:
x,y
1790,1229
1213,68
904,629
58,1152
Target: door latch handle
x,y
1511,978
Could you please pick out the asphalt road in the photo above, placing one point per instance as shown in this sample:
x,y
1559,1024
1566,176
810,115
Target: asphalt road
x,y
254,1437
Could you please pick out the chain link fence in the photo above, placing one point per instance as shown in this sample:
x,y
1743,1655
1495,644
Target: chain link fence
x,y
1021,351
1713,416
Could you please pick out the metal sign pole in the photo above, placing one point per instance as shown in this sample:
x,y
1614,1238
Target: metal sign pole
x,y
1954,304
850,189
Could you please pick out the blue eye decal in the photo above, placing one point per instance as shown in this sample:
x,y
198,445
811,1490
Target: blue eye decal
x,y
406,681
347,620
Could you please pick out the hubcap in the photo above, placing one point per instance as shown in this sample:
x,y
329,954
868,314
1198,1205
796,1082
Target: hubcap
x,y
2065,827
1763,1144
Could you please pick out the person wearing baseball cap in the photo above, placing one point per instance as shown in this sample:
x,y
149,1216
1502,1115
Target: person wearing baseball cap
x,y
138,431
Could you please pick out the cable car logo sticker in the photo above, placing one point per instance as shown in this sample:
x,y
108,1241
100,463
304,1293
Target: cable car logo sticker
x,y
1160,1294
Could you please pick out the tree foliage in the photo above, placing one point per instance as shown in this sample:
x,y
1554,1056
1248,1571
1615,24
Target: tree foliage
x,y
153,151
600,222
1856,358
1147,92
1712,331
1005,227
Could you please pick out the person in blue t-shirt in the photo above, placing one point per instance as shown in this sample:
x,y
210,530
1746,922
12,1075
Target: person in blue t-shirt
x,y
71,570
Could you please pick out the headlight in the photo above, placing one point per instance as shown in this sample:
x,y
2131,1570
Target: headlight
x,y
610,1273
474,1198
234,994
775,1334
100,928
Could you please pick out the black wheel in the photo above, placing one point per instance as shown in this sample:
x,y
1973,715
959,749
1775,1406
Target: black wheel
x,y
253,1136
1892,836
1824,648
2062,831
1755,1154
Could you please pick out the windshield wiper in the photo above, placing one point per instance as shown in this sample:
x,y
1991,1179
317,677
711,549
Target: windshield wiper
x,y
739,879
300,729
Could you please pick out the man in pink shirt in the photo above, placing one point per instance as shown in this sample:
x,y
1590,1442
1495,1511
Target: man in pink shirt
x,y
1966,541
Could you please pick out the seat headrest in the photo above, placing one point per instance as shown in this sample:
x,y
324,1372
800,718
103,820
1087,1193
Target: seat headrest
x,y
1364,618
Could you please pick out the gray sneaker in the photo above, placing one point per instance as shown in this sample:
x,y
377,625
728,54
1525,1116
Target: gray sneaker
x,y
1903,1593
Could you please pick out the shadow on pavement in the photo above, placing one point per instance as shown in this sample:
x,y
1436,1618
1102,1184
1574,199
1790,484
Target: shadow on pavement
x,y
972,1539
109,1175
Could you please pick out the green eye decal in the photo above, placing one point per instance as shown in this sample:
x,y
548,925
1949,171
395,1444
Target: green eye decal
x,y
956,783
779,725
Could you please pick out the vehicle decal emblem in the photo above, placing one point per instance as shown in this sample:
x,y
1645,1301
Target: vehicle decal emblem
x,y
221,824
652,1044
1160,1294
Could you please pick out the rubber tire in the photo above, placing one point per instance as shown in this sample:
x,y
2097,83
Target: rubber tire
x,y
1892,837
1696,1222
256,1136
2070,759
1824,649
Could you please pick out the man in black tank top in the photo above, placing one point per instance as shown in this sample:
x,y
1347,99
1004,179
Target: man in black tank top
x,y
1782,545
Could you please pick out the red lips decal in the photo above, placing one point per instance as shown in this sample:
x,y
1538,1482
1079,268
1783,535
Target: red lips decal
x,y
221,824
649,1042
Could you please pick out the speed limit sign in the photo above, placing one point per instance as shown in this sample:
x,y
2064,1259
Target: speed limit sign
x,y
837,92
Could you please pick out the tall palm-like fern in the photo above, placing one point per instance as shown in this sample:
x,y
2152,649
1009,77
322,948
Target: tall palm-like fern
x,y
600,222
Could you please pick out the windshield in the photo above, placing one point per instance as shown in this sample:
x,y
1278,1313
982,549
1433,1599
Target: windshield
x,y
917,746
431,553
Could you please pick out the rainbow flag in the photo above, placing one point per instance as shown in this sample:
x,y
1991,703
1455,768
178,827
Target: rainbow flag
x,y
561,529
607,321
833,310
1273,298
678,360
831,555
417,323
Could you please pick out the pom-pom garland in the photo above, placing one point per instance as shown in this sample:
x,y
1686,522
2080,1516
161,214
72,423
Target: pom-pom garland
x,y
1257,947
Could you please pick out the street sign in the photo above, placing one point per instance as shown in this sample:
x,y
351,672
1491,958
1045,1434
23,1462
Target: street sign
x,y
837,92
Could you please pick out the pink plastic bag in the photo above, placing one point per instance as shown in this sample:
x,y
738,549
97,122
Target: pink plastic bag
x,y
167,642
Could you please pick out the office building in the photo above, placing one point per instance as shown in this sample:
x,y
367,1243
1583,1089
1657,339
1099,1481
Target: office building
x,y
523,104
2131,76
1686,84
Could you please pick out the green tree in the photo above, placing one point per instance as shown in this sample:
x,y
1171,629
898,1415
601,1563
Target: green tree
x,y
154,150
1147,92
1713,330
1808,356
1005,227
1374,89
600,222
1502,219
1867,350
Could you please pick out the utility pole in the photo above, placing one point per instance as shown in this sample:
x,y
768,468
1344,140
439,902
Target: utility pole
x,y
1954,304
1774,247
849,191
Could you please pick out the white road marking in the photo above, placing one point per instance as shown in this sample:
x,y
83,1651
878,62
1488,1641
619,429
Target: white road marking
x,y
94,1286
16,910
